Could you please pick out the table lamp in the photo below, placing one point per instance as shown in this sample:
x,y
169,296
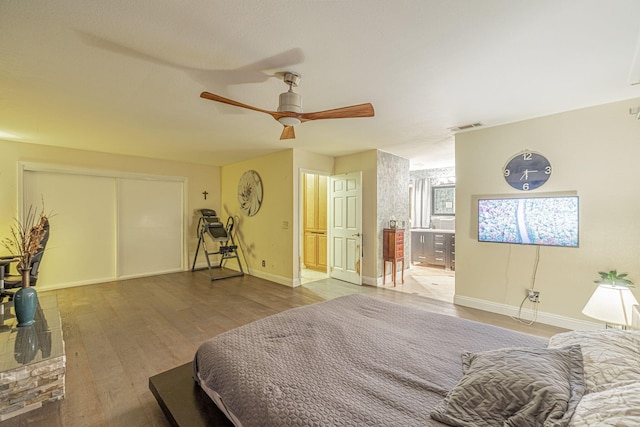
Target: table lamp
x,y
612,304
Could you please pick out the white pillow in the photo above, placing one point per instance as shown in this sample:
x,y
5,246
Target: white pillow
x,y
611,357
619,406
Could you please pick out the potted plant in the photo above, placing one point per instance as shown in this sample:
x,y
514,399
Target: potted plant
x,y
25,241
613,278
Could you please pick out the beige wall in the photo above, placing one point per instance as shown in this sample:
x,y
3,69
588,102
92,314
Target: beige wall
x,y
263,236
593,151
268,235
199,178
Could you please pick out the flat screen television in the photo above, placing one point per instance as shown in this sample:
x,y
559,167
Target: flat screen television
x,y
548,221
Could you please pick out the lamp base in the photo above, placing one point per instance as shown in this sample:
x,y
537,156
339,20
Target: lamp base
x,y
614,326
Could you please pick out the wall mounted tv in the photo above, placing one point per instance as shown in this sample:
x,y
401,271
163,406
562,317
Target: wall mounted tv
x,y
548,221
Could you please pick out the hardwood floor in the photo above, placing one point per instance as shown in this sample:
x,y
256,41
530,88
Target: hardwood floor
x,y
118,334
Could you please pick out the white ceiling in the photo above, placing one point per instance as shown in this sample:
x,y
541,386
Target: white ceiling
x,y
124,76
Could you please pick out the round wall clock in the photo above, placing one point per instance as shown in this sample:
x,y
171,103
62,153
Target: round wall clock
x,y
527,171
250,192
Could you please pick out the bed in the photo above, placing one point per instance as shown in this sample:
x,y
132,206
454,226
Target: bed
x,y
358,360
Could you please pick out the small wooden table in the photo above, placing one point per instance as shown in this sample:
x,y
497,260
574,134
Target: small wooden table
x,y
392,251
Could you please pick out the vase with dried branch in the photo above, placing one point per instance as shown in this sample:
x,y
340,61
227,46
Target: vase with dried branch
x,y
24,243
26,237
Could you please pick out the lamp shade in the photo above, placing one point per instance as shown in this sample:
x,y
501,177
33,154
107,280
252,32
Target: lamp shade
x,y
611,304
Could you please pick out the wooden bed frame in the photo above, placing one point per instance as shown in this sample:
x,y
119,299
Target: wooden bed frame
x,y
183,402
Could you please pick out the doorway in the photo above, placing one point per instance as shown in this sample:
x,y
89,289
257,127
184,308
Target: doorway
x,y
331,227
313,265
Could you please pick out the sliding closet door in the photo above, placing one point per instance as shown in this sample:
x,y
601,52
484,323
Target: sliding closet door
x,y
82,243
106,225
150,232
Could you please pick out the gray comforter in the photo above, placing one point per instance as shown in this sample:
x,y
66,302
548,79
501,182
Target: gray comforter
x,y
350,361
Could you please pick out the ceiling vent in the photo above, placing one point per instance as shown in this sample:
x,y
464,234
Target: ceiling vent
x,y
466,127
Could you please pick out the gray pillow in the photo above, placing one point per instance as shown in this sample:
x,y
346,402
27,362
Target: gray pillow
x,y
515,387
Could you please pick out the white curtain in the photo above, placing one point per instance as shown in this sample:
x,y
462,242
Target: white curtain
x,y
422,203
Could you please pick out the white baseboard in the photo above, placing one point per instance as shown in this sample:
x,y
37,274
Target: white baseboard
x,y
542,317
274,278
51,287
261,274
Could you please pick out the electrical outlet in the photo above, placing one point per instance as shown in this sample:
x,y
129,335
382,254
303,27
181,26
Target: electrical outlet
x,y
264,263
534,296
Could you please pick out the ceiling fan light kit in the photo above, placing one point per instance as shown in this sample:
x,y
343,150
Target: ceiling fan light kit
x,y
289,121
289,111
290,101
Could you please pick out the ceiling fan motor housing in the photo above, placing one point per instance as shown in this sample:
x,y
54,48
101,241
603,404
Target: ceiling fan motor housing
x,y
290,102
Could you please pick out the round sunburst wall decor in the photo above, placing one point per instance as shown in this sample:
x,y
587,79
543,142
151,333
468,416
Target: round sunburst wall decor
x,y
250,192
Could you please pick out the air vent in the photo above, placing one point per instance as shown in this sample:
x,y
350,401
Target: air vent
x,y
466,127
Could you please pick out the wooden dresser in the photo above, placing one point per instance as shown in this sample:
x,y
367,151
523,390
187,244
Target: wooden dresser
x,y
392,251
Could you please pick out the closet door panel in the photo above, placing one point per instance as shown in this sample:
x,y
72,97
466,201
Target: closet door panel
x,y
150,231
82,244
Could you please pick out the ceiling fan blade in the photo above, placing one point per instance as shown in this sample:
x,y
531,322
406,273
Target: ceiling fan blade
x,y
218,98
288,133
360,110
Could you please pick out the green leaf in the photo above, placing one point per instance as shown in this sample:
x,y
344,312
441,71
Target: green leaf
x,y
613,278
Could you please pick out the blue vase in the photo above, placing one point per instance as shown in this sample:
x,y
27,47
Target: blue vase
x,y
25,303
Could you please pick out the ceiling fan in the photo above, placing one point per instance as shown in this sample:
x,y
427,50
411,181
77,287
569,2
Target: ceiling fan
x,y
290,112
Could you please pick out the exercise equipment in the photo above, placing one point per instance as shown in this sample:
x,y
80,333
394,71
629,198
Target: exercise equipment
x,y
209,225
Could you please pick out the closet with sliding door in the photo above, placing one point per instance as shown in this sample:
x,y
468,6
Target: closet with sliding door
x,y
106,225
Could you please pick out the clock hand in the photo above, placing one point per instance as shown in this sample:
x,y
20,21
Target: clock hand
x,y
525,174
